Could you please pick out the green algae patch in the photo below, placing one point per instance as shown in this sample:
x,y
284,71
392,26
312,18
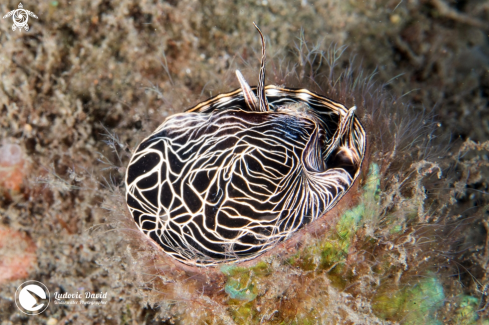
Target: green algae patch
x,y
411,304
243,313
396,229
467,312
240,284
336,247
372,185
242,290
236,290
347,226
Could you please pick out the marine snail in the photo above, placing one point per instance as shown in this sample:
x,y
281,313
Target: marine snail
x,y
231,177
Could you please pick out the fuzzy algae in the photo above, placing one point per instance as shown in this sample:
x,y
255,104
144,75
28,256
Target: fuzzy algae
x,y
467,312
412,304
240,284
242,290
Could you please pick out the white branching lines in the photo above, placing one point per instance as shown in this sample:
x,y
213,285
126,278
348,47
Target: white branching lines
x,y
222,182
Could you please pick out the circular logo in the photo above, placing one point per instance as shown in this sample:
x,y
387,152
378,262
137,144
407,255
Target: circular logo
x,y
20,18
32,297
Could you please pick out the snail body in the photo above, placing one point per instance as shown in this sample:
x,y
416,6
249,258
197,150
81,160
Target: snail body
x,y
233,176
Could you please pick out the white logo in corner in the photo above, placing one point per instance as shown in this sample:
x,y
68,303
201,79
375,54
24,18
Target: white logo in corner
x,y
20,17
32,297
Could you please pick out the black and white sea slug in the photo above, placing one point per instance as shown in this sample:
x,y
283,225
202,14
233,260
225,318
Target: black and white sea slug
x,y
233,176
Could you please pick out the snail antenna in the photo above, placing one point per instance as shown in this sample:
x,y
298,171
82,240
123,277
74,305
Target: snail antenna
x,y
261,80
345,125
248,94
